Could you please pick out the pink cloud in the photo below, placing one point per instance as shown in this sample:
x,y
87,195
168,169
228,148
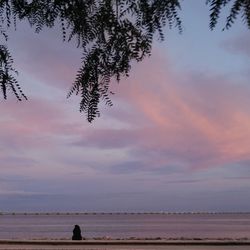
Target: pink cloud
x,y
195,120
35,124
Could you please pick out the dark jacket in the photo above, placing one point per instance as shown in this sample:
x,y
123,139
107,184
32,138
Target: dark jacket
x,y
77,233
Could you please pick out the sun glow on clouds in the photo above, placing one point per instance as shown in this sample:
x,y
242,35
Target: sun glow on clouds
x,y
197,121
177,125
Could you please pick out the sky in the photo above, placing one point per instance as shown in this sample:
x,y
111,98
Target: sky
x,y
177,138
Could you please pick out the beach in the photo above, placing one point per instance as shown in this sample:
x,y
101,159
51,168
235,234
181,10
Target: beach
x,y
125,245
104,247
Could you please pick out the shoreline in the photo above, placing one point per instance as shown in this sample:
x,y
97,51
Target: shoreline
x,y
142,242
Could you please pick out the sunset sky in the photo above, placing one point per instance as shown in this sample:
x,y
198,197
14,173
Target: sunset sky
x,y
176,139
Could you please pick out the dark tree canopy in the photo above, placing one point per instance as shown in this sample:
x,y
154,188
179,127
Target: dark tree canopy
x,y
110,33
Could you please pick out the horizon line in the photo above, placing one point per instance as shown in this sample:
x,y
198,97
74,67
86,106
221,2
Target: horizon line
x,y
116,213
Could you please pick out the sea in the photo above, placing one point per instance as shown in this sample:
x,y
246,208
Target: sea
x,y
125,225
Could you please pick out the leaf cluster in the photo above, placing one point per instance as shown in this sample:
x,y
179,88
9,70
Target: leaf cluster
x,y
238,8
8,82
7,72
118,33
111,34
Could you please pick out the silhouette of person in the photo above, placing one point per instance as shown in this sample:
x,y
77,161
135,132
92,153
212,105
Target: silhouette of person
x,y
77,233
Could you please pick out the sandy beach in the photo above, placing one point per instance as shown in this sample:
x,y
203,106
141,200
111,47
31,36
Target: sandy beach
x,y
125,245
121,247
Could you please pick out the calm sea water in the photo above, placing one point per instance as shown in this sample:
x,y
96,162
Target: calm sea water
x,y
31,226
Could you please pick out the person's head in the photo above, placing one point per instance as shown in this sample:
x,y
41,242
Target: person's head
x,y
77,227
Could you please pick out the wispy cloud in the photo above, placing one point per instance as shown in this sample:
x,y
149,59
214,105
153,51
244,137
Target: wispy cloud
x,y
194,120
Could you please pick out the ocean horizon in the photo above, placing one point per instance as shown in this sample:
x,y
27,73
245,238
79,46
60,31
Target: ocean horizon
x,y
122,212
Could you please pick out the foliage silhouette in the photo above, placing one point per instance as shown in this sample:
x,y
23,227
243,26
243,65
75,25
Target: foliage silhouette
x,y
111,34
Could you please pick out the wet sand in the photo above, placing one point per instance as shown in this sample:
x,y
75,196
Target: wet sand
x,y
125,245
120,247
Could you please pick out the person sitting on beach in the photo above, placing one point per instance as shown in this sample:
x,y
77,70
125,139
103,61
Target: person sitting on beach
x,y
77,235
